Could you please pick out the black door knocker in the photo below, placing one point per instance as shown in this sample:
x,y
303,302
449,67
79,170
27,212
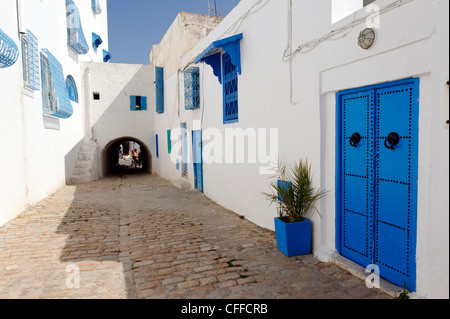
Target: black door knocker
x,y
392,140
355,139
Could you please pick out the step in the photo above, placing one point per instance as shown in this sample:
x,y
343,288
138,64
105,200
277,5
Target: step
x,y
182,184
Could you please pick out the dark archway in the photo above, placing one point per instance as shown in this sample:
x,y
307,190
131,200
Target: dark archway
x,y
114,164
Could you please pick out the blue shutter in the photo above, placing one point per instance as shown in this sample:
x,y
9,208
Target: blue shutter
x,y
157,146
159,82
132,103
144,103
230,91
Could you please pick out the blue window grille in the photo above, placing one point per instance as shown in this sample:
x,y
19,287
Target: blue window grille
x,y
30,59
96,6
9,52
96,40
192,88
230,91
159,82
55,98
106,56
72,88
75,35
138,103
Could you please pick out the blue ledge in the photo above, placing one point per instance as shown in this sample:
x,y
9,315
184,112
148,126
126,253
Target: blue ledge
x,y
211,55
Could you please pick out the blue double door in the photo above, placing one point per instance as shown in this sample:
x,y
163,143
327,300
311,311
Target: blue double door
x,y
377,150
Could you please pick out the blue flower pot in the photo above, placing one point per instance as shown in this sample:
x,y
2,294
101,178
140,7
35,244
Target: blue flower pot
x,y
293,239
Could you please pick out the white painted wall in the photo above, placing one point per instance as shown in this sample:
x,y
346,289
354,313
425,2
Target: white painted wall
x,y
412,42
111,117
43,159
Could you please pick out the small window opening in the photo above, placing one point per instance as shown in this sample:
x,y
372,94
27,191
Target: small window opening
x,y
138,103
97,96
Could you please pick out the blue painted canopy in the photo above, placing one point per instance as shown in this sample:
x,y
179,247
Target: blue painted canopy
x,y
106,56
211,56
9,52
54,90
96,40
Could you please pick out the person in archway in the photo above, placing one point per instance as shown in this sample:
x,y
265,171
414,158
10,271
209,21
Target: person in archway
x,y
135,158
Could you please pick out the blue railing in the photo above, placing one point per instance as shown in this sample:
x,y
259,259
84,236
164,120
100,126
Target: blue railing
x,y
9,52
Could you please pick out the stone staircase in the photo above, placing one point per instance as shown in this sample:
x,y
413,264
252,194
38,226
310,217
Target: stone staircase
x,y
86,169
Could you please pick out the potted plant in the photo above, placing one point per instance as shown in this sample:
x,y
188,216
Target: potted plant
x,y
295,196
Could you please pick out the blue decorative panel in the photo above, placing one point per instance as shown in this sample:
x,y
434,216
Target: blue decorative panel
x,y
30,60
96,6
159,83
230,91
72,88
192,88
55,98
377,178
9,52
75,35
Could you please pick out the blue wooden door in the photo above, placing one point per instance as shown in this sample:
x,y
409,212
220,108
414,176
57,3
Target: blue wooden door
x,y
377,144
198,159
356,176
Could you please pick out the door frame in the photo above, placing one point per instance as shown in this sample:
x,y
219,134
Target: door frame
x,y
339,153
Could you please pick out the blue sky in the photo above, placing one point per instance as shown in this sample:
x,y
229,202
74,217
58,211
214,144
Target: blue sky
x,y
136,25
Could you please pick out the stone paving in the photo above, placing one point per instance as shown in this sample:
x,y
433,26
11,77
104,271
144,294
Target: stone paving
x,y
136,237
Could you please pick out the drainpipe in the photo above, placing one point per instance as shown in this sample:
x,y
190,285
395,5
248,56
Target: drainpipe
x,y
20,24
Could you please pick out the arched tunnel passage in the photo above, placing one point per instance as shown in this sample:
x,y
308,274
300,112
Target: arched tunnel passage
x,y
126,155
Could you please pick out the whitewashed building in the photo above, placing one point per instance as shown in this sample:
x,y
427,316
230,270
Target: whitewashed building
x,y
371,118
358,88
41,96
